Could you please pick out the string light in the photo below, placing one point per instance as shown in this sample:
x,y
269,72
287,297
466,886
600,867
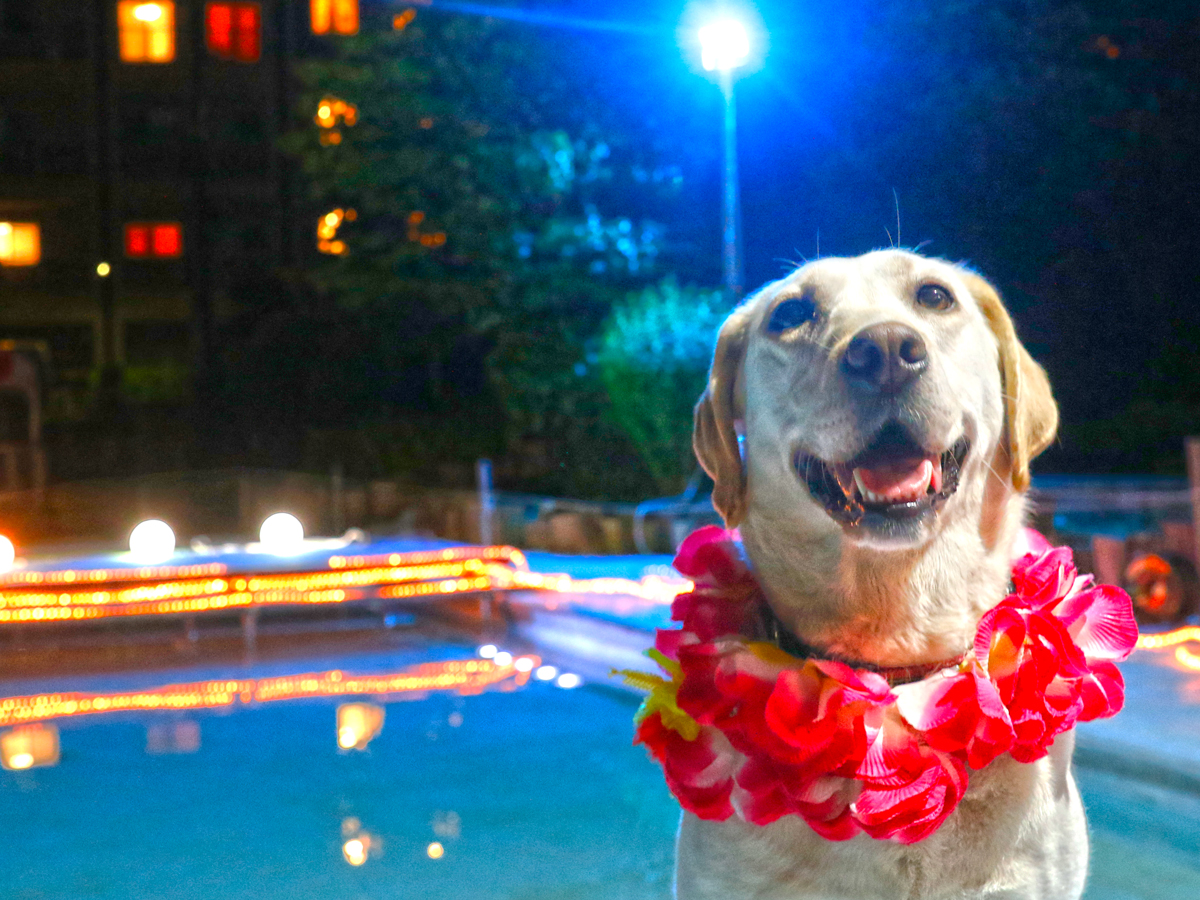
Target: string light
x,y
1175,638
465,676
1168,638
85,594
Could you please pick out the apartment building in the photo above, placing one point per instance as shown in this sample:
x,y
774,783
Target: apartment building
x,y
140,175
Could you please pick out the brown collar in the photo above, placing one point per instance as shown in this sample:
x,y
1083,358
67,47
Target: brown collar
x,y
778,635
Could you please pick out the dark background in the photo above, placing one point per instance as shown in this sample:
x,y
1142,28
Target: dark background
x,y
1051,145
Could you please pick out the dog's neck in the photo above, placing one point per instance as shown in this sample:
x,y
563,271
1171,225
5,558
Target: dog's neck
x,y
887,608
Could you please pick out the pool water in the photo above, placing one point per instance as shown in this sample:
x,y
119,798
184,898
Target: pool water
x,y
531,794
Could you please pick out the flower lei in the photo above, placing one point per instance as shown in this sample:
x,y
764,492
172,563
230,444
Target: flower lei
x,y
742,727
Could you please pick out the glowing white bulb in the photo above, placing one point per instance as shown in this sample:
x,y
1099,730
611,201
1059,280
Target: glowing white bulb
x,y
487,651
546,673
569,680
724,45
281,534
152,541
524,664
8,554
502,658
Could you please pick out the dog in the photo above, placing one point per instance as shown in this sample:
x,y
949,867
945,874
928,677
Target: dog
x,y
868,424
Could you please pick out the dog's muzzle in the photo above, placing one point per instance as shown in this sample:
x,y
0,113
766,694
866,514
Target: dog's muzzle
x,y
893,480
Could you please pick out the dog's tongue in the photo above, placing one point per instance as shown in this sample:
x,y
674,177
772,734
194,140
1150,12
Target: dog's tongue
x,y
899,480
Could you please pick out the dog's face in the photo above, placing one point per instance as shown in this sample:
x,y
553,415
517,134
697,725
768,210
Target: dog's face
x,y
886,410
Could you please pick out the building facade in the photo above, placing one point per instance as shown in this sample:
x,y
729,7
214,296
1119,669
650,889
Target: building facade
x,y
141,176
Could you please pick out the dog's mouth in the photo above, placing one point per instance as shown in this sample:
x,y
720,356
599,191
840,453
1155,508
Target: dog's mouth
x,y
893,480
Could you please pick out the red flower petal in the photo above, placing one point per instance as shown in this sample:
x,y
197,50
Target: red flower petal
x,y
1103,692
1044,578
1030,542
711,553
698,773
1100,621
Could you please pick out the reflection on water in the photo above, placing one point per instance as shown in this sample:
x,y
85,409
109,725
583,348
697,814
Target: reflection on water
x,y
29,746
524,792
357,724
173,737
530,793
359,843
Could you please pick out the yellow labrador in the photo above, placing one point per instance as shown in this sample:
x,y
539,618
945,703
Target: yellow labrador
x,y
869,425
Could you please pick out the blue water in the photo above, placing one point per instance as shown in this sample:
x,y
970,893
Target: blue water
x,y
533,793
552,799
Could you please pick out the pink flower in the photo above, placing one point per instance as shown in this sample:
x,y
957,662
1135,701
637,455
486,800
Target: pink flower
x,y
909,788
709,617
1044,577
720,678
710,555
699,773
769,790
1029,541
836,746
1030,657
814,715
961,714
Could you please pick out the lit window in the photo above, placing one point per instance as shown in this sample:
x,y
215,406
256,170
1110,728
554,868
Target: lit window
x,y
330,113
234,30
20,244
330,110
337,16
147,31
327,229
153,240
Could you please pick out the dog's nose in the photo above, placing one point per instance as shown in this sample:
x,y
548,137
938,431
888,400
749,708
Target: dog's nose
x,y
884,358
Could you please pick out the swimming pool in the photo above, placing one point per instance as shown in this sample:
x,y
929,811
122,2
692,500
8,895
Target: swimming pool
x,y
529,792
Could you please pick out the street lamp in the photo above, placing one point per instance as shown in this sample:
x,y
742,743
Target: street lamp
x,y
724,47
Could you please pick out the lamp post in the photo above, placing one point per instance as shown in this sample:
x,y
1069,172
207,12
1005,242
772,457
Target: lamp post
x,y
725,46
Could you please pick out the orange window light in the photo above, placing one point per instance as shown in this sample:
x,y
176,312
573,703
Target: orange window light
x,y
146,31
20,244
336,16
234,30
153,240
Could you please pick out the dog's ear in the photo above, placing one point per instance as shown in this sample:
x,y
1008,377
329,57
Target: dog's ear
x,y
1030,413
714,436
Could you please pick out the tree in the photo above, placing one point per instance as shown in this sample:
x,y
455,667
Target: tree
x,y
478,212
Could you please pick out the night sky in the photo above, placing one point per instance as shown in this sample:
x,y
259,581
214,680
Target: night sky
x,y
1050,145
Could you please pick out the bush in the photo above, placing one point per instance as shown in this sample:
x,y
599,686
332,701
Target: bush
x,y
655,350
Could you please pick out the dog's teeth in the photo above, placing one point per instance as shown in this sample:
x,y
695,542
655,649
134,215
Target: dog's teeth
x,y
862,490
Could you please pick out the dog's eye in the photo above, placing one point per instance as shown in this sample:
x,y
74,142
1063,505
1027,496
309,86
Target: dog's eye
x,y
791,313
933,296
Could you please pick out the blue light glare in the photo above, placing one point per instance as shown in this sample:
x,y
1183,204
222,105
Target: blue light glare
x,y
530,17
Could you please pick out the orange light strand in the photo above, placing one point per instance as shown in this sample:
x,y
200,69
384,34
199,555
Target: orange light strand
x,y
468,676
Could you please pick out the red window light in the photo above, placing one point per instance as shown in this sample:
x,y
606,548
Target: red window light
x,y
234,30
153,240
137,240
